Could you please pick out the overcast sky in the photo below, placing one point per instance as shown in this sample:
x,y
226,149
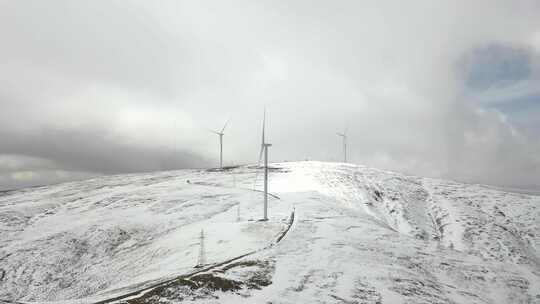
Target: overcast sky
x,y
447,89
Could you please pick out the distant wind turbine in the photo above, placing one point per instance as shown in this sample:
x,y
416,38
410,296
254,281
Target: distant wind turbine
x,y
221,133
344,137
264,148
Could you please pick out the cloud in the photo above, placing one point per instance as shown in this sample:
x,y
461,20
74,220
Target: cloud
x,y
110,86
20,171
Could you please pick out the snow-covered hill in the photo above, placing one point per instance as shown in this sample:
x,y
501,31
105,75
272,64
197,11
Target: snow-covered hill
x,y
359,235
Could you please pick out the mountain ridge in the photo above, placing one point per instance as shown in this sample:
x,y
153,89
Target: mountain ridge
x,y
382,237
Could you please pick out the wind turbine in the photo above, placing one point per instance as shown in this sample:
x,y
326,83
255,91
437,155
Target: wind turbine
x,y
264,148
220,133
344,137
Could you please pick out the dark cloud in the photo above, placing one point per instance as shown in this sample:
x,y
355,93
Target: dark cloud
x,y
96,151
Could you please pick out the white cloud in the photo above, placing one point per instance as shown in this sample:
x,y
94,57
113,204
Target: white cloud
x,y
156,74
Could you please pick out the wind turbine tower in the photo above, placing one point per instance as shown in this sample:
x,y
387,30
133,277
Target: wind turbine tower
x,y
221,133
344,137
264,149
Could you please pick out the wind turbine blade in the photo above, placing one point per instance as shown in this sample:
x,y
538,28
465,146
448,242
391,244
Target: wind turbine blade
x,y
260,156
210,130
224,126
262,142
264,125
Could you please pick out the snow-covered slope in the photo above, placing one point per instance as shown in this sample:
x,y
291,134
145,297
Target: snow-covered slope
x,y
359,235
94,237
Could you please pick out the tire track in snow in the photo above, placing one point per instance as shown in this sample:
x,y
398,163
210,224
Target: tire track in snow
x,y
222,186
142,291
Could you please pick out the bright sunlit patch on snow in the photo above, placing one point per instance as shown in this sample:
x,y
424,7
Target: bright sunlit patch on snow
x,y
23,175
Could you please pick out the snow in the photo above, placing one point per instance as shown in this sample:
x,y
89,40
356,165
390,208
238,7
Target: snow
x,y
360,235
93,237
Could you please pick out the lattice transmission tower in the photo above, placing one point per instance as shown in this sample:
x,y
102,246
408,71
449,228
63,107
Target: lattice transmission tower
x,y
201,260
